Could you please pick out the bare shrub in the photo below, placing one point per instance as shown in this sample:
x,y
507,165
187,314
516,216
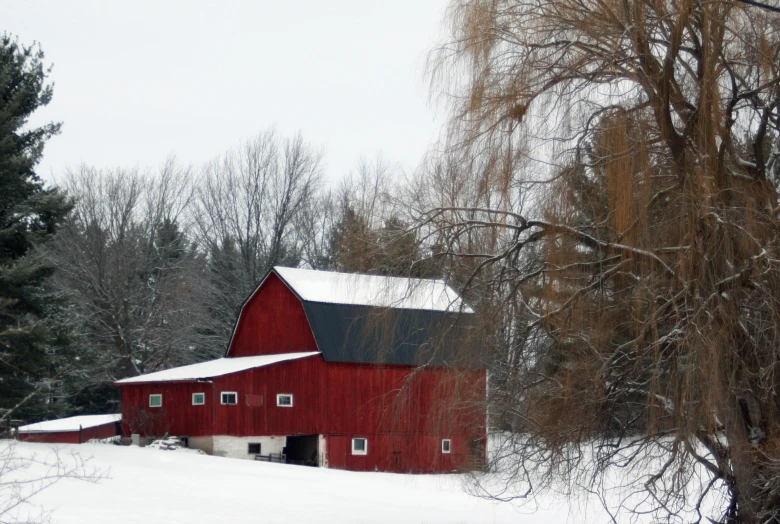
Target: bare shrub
x,y
23,477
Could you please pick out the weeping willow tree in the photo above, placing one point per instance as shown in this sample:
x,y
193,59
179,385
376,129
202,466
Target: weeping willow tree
x,y
639,283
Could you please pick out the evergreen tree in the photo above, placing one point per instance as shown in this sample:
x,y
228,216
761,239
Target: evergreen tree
x,y
224,291
390,250
30,333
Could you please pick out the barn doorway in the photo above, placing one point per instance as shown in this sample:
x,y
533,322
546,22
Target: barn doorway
x,y
337,451
302,450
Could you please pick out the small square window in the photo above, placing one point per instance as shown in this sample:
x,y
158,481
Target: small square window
x,y
198,399
445,445
229,398
254,448
359,446
284,400
155,400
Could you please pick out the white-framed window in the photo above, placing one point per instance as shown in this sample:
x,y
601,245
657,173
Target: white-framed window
x,y
198,399
446,445
284,400
360,446
228,398
155,400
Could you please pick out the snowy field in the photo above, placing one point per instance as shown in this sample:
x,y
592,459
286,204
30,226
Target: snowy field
x,y
156,486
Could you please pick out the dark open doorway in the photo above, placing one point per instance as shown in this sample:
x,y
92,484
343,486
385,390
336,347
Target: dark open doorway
x,y
302,450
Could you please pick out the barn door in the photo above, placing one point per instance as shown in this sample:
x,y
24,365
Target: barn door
x,y
396,460
337,446
476,454
302,449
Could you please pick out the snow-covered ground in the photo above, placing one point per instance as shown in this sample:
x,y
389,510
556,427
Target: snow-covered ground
x,y
156,486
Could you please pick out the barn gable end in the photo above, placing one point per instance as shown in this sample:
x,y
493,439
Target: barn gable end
x,y
272,321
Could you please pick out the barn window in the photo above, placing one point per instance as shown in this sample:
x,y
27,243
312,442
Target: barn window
x,y
198,399
445,445
284,400
254,448
155,400
359,446
229,398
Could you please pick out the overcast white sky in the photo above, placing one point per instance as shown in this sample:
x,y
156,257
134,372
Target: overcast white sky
x,y
136,81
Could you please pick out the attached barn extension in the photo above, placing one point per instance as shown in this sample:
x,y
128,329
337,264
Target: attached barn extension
x,y
72,430
347,371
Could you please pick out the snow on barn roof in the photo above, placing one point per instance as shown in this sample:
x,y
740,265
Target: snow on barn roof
x,y
214,368
70,423
372,290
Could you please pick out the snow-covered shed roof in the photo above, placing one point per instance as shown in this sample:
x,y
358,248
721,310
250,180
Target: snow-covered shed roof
x,y
70,423
214,368
372,290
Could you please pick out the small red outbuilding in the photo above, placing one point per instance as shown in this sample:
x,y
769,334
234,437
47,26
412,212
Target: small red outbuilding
x,y
72,430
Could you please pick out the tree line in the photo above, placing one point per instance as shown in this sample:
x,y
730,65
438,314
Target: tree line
x,y
114,272
152,267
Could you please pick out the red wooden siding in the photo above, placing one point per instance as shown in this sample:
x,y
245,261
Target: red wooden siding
x,y
298,377
327,398
272,321
71,437
176,416
399,452
391,399
404,412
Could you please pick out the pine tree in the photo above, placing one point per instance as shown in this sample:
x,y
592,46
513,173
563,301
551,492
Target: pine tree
x,y
30,213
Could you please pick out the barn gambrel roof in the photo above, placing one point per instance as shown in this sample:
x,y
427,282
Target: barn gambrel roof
x,y
372,335
372,319
354,289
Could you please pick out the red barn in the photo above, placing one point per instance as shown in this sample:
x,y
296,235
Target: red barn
x,y
339,370
72,430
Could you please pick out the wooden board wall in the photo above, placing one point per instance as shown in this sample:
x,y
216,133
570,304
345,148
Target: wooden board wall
x,y
405,412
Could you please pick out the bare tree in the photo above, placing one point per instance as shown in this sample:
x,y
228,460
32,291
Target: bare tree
x,y
248,204
622,160
130,271
319,228
369,229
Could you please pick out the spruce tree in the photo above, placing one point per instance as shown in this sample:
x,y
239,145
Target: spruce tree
x,y
30,214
